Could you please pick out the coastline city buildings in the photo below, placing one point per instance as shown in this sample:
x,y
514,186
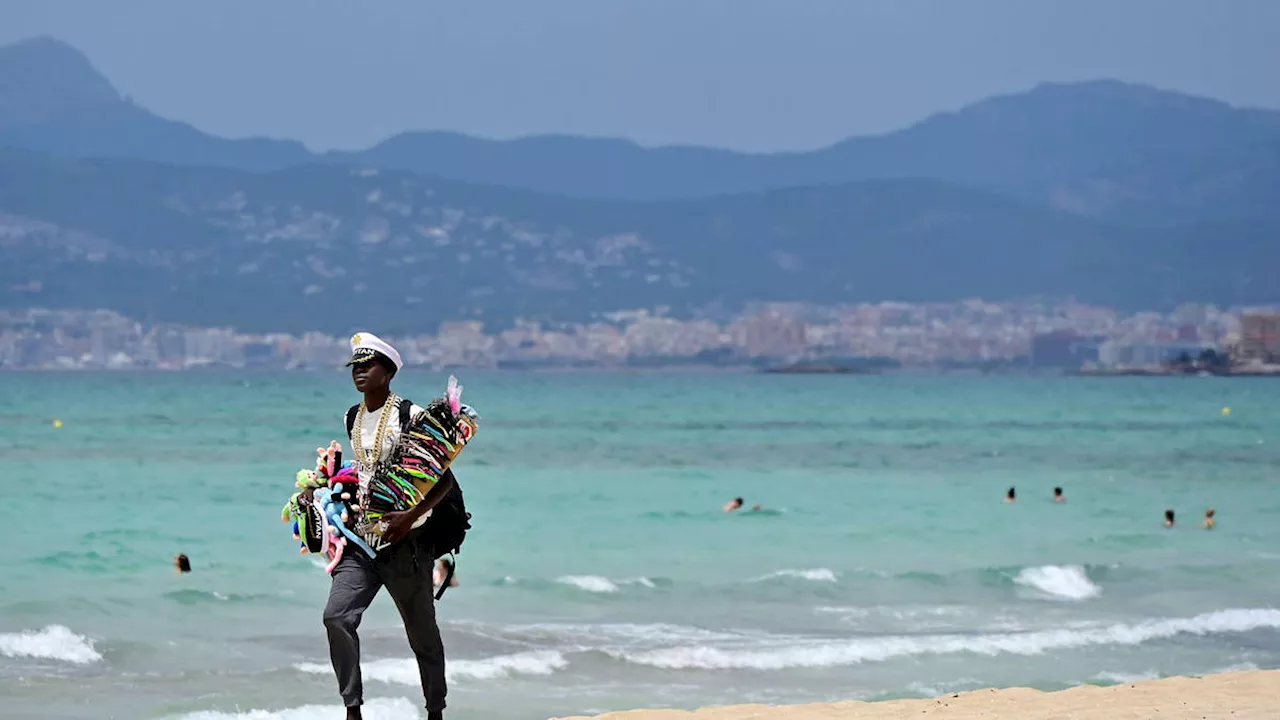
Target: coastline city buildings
x,y
970,333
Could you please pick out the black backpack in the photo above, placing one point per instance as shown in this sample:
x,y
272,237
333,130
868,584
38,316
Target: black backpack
x,y
442,534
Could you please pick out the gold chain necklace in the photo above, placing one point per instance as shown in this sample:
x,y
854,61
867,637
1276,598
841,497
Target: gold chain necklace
x,y
370,458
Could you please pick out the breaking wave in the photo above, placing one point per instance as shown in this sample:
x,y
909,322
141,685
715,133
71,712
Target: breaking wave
x,y
814,574
377,709
55,642
1063,582
405,671
590,583
801,653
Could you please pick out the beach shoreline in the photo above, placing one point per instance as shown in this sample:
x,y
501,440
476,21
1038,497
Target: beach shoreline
x,y
1243,695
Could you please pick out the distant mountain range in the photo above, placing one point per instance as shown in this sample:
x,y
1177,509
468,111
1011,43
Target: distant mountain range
x,y
323,247
1096,148
1114,193
53,100
1100,148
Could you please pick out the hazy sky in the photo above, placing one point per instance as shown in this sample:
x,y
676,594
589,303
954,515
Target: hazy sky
x,y
749,74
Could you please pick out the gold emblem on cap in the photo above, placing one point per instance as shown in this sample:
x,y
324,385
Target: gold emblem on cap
x,y
355,339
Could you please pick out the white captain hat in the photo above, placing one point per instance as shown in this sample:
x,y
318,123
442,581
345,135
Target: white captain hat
x,y
366,345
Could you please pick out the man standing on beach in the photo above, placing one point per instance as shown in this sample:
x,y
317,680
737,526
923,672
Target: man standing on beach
x,y
405,567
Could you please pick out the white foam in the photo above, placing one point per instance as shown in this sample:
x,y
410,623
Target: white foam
x,y
55,642
590,583
1120,678
405,671
815,574
895,612
846,612
542,662
1123,677
802,652
377,709
927,691
940,689
581,637
1239,667
1061,582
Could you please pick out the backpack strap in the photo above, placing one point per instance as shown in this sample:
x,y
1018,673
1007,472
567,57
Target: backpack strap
x,y
406,410
448,576
351,419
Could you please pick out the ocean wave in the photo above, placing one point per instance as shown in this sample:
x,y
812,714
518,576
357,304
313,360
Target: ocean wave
x,y
132,534
934,690
542,662
1076,581
191,596
1064,582
590,583
55,642
1067,581
405,671
681,514
377,709
1121,678
808,653
87,561
896,612
814,574
596,583
1238,667
580,637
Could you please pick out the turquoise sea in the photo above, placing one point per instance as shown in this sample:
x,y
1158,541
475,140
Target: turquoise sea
x,y
601,573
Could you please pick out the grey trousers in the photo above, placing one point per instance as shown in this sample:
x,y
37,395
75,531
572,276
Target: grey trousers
x,y
406,571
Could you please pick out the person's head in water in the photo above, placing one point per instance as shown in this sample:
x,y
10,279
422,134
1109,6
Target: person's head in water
x,y
1168,518
1057,495
183,563
1011,496
373,363
443,570
1208,519
733,504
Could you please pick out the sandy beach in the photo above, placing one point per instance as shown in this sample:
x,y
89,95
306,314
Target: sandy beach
x,y
1252,695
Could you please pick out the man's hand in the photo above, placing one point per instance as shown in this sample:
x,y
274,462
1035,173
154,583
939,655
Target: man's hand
x,y
398,525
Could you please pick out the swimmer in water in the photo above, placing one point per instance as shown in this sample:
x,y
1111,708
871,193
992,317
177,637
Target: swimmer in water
x,y
1208,519
183,563
1011,496
1168,518
755,508
442,571
733,504
1058,496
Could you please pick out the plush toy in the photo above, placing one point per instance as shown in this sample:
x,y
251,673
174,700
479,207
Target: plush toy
x,y
336,514
319,510
329,460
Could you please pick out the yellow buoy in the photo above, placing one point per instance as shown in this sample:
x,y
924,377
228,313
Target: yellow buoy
x,y
1226,411
57,423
